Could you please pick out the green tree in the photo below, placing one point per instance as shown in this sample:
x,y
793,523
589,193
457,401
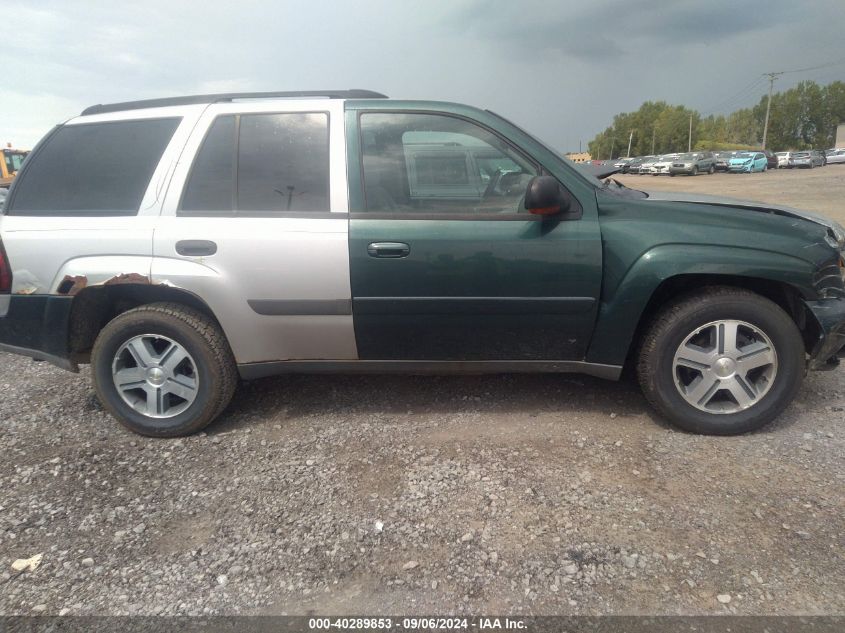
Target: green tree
x,y
805,116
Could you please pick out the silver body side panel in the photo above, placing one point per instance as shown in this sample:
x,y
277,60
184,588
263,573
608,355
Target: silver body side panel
x,y
281,264
43,250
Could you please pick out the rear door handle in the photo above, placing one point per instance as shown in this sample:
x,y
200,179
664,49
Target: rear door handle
x,y
388,249
196,248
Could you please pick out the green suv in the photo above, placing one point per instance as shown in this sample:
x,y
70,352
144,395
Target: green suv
x,y
218,237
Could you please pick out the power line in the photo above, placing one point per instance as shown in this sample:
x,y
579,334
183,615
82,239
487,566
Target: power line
x,y
803,70
742,94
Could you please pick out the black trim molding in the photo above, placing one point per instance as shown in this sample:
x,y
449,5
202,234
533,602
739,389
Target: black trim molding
x,y
301,307
252,371
472,305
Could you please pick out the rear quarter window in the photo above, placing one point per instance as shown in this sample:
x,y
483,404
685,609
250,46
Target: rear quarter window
x,y
92,168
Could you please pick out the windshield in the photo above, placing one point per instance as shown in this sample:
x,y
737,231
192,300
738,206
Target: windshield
x,y
687,157
801,154
725,154
743,155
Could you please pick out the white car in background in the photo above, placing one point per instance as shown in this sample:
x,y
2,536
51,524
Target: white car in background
x,y
663,164
836,156
647,167
784,159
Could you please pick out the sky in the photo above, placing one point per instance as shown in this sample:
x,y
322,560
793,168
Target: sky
x,y
560,69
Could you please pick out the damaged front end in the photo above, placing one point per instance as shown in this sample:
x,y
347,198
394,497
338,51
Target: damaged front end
x,y
828,316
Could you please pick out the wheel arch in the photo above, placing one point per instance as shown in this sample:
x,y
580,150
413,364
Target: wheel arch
x,y
94,306
667,272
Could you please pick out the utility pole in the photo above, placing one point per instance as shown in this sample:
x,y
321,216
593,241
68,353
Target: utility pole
x,y
689,142
630,138
612,143
772,77
653,135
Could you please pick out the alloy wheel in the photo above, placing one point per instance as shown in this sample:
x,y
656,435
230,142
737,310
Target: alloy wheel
x,y
725,366
155,375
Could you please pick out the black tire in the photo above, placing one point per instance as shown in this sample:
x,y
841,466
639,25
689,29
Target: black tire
x,y
196,333
712,170
695,170
677,320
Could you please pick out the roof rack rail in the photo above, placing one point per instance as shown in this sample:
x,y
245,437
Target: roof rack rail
x,y
229,96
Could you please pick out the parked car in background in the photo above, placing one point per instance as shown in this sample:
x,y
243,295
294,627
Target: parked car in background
x,y
821,154
663,164
807,160
634,166
784,160
621,163
693,164
771,159
836,156
748,162
647,166
722,160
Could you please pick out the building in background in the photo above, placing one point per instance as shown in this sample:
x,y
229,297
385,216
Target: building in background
x,y
584,157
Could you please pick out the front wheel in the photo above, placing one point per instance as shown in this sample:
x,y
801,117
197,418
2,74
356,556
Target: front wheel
x,y
695,170
723,361
163,370
712,170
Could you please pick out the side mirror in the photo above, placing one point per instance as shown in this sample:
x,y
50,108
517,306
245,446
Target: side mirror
x,y
545,196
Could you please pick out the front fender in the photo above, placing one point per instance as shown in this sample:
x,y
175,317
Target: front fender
x,y
623,304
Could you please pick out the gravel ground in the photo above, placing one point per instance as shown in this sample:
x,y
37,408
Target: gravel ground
x,y
503,494
414,495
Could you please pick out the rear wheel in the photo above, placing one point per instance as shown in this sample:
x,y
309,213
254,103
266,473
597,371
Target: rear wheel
x,y
163,370
723,361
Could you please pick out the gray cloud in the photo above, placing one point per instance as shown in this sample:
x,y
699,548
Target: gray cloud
x,y
559,70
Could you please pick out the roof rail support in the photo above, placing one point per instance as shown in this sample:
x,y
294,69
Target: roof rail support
x,y
230,96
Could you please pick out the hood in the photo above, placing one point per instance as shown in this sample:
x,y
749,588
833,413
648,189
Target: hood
x,y
741,160
838,232
599,171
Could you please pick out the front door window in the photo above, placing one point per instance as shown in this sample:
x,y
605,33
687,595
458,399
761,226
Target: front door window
x,y
438,164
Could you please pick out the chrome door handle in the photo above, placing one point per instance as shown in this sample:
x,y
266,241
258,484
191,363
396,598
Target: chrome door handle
x,y
390,250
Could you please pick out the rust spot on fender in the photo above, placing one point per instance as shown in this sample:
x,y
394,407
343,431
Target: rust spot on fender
x,y
127,278
72,284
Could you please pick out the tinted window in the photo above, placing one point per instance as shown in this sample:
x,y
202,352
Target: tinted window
x,y
428,163
260,163
211,185
94,168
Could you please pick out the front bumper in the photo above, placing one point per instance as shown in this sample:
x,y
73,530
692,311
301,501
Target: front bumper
x,y
829,315
740,168
37,326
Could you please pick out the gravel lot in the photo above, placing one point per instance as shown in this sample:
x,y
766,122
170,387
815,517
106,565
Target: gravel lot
x,y
411,495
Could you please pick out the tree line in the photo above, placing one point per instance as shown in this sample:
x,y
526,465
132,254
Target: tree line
x,y
803,117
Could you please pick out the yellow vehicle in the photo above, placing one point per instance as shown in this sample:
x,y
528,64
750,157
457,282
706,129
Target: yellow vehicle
x,y
10,165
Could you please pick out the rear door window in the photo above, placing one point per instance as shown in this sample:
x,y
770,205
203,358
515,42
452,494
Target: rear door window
x,y
93,168
257,164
